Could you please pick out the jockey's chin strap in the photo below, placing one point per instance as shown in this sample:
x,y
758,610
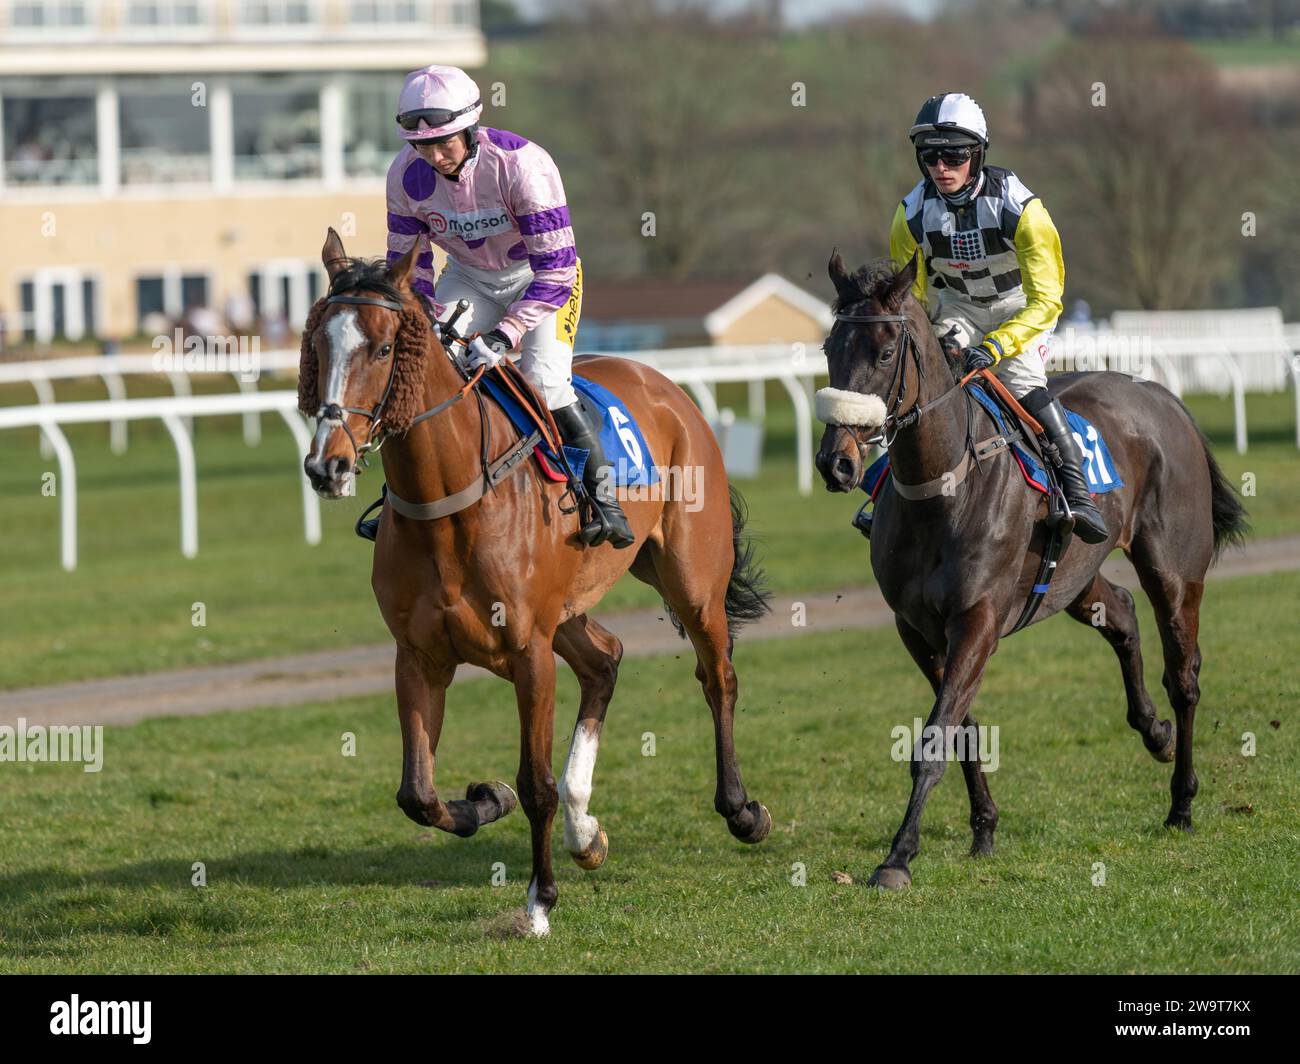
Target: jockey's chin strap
x,y
378,433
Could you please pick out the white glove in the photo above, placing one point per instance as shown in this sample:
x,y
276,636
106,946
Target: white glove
x,y
481,354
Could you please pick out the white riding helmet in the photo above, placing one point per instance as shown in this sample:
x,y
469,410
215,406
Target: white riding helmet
x,y
951,119
436,102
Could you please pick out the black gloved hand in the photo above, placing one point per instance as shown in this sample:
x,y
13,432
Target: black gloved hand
x,y
974,358
497,340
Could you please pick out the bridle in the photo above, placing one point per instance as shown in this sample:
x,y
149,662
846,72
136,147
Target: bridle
x,y
378,433
898,383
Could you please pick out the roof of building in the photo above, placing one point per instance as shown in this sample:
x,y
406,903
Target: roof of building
x,y
656,298
716,302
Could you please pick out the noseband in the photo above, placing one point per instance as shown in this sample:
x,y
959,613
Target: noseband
x,y
898,383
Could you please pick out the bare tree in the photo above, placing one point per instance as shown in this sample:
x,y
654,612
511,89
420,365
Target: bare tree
x,y
1152,158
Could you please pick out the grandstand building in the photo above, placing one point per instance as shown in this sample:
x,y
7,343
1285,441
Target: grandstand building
x,y
158,156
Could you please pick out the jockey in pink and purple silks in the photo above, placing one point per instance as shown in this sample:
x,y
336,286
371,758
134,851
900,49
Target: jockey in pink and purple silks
x,y
494,203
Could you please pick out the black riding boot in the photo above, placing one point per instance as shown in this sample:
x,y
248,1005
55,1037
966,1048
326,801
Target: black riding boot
x,y
1089,525
577,428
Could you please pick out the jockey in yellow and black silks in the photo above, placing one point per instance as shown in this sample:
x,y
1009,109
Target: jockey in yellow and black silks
x,y
994,277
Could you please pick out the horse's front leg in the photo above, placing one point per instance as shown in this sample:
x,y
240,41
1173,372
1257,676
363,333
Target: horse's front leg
x,y
972,638
421,700
533,671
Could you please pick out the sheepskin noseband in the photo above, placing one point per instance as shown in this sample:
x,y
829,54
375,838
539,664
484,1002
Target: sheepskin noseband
x,y
835,406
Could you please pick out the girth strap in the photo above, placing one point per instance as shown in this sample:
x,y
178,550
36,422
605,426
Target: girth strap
x,y
466,497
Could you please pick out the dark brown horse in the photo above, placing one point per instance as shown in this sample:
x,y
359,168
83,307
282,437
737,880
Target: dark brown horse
x,y
957,568
504,583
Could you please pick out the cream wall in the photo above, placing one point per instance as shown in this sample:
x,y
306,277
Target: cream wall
x,y
772,321
117,240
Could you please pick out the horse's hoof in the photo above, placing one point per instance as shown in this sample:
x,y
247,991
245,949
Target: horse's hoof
x,y
890,878
762,824
499,793
1166,753
594,855
1180,823
522,924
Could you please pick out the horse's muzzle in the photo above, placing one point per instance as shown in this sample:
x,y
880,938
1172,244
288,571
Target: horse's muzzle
x,y
331,478
839,461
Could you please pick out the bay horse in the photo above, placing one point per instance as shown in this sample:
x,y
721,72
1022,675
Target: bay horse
x,y
504,583
956,568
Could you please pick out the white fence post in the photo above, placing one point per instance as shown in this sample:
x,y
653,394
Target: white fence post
x,y
189,491
67,492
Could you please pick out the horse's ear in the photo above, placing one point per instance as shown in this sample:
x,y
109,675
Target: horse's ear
x,y
840,277
400,271
903,280
332,255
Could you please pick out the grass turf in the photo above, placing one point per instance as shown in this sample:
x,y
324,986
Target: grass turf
x,y
129,606
312,868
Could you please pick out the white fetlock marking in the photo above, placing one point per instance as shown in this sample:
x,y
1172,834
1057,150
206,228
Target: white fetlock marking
x,y
575,791
538,922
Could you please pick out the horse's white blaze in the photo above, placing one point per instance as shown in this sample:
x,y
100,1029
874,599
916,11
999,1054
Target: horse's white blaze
x,y
538,922
345,337
835,406
575,789
323,430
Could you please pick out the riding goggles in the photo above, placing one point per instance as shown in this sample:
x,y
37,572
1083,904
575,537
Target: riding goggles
x,y
951,156
433,117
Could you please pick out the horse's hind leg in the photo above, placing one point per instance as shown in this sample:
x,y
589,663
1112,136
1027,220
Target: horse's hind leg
x,y
983,813
593,653
699,604
1109,608
1177,604
421,700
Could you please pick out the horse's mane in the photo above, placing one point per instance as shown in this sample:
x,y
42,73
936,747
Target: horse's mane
x,y
414,336
870,281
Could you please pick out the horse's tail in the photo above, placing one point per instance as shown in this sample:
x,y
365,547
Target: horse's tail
x,y
1226,508
747,597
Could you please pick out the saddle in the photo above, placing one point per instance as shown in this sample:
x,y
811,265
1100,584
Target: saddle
x,y
1017,431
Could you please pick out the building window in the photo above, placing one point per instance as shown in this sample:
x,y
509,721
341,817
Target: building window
x,y
163,299
50,140
164,138
276,133
45,14
282,293
58,303
388,12
158,14
277,12
370,137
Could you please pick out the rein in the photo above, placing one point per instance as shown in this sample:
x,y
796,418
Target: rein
x,y
899,422
334,412
906,347
493,471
